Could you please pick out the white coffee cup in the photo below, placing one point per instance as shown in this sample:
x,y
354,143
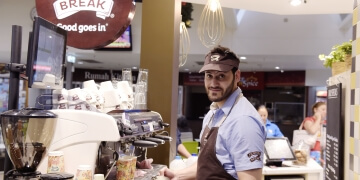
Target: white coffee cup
x,y
60,96
90,85
76,96
111,98
106,85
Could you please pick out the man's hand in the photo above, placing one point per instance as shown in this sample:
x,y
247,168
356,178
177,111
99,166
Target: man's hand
x,y
168,173
145,164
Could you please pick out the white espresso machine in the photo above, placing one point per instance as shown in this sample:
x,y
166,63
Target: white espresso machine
x,y
79,134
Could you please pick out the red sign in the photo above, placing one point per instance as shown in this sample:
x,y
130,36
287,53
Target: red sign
x,y
194,79
251,81
287,78
90,23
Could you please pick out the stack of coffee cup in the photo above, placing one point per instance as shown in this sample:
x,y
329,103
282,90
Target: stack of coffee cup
x,y
60,99
76,99
112,99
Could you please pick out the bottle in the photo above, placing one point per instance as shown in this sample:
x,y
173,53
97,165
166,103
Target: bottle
x,y
177,163
191,160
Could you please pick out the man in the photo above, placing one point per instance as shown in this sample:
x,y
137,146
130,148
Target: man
x,y
272,130
233,135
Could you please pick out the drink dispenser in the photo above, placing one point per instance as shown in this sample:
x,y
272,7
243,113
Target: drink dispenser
x,y
27,136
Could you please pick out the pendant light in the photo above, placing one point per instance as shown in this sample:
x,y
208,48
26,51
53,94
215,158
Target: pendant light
x,y
211,26
184,44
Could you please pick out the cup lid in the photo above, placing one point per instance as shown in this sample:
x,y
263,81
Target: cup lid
x,y
56,153
84,167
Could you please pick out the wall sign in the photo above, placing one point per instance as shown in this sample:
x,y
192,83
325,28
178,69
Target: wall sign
x,y
251,81
248,80
90,23
334,151
81,75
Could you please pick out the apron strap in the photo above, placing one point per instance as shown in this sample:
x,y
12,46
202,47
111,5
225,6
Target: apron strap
x,y
226,115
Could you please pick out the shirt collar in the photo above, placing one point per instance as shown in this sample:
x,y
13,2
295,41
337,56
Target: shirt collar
x,y
228,103
268,123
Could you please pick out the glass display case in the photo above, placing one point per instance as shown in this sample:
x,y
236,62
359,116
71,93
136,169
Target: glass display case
x,y
289,112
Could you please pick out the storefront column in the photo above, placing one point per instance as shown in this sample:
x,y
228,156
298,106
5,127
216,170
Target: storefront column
x,y
160,54
352,139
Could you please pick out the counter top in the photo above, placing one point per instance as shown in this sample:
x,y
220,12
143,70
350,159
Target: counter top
x,y
312,168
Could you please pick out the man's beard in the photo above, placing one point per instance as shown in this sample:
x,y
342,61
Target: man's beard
x,y
223,95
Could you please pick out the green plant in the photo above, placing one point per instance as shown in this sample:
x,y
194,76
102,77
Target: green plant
x,y
338,54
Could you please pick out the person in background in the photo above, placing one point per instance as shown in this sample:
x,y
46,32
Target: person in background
x,y
181,149
272,130
313,125
232,135
182,124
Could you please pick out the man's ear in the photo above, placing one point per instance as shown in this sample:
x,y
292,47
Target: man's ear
x,y
237,75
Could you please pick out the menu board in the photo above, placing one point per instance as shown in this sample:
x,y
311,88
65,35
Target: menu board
x,y
334,166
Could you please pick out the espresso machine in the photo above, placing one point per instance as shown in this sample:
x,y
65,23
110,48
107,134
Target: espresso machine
x,y
139,130
85,136
78,135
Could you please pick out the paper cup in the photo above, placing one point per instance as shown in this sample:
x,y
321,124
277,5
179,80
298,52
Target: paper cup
x,y
84,172
56,162
126,167
99,177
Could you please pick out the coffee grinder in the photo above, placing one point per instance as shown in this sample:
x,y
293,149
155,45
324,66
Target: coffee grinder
x,y
28,133
27,136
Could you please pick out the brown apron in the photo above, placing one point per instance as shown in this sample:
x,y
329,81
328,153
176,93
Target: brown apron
x,y
208,166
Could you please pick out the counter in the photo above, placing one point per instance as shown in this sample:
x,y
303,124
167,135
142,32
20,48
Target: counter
x,y
311,171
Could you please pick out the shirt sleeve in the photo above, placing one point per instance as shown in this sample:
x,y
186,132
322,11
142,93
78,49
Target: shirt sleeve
x,y
246,143
307,119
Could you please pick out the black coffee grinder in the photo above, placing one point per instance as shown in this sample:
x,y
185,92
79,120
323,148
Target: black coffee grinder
x,y
27,135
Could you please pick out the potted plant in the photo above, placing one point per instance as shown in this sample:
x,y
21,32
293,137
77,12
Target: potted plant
x,y
339,58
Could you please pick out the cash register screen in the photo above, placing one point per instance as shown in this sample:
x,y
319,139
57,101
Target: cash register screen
x,y
278,149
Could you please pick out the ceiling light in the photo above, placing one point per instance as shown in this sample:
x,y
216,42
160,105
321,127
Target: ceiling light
x,y
134,67
80,62
71,58
186,69
243,57
277,67
295,2
211,26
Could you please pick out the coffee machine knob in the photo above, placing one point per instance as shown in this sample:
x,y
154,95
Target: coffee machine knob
x,y
126,132
164,124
